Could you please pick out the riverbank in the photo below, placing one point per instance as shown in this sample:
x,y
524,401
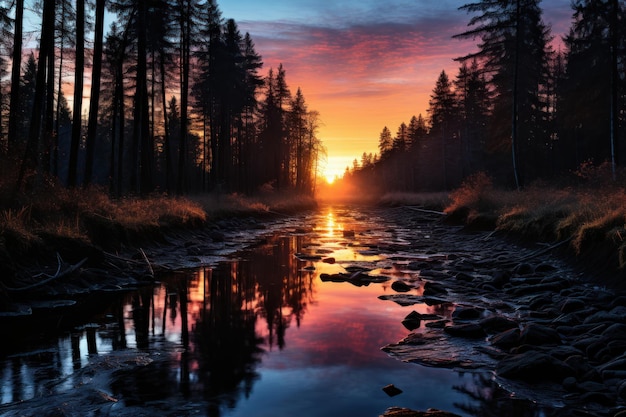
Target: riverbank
x,y
584,222
55,231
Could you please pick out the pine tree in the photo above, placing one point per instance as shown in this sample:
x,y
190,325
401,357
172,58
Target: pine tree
x,y
512,33
385,142
587,107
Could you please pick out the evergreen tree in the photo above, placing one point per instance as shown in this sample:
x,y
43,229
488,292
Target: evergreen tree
x,y
385,142
586,105
442,108
512,33
473,100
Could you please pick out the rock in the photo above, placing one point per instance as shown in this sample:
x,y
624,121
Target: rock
x,y
533,366
466,313
621,391
500,278
507,339
542,268
328,260
401,286
464,277
406,412
391,390
538,334
434,289
412,321
217,236
571,305
494,324
470,331
524,269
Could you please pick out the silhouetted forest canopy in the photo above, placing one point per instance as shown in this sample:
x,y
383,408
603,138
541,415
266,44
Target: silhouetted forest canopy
x,y
177,102
518,109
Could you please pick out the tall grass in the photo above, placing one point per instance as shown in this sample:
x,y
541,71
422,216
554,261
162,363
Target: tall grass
x,y
589,211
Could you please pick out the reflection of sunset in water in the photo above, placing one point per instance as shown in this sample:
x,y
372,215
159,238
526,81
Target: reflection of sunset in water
x,y
332,227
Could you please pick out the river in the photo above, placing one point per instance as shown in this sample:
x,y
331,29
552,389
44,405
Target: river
x,y
264,331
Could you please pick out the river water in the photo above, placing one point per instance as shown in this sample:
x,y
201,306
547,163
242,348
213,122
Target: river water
x,y
262,332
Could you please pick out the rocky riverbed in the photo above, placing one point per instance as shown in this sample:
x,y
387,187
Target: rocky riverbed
x,y
520,311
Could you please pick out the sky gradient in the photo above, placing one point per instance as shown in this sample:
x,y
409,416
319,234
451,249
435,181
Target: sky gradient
x,y
363,64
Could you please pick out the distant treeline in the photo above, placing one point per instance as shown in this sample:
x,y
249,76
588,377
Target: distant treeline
x,y
176,102
517,109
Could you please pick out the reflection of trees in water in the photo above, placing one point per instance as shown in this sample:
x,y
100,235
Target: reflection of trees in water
x,y
284,289
225,340
226,315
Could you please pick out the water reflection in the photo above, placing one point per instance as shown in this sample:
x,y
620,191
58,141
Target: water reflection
x,y
258,335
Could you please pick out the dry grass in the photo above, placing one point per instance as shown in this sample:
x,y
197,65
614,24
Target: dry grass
x,y
590,213
54,213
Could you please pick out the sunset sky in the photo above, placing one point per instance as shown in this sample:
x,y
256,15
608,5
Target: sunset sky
x,y
363,64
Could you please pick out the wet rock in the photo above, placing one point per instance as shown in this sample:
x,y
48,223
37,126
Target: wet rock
x,y
464,277
533,366
467,313
391,390
470,331
412,321
406,412
545,267
437,324
537,334
328,260
217,236
434,289
571,305
507,339
494,324
401,286
500,278
524,269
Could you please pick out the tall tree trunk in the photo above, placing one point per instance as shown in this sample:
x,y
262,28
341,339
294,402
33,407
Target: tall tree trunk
x,y
185,27
49,134
16,73
55,143
514,112
169,171
72,178
94,100
614,117
141,131
46,43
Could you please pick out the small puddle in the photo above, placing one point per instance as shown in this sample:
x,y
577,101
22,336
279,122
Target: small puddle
x,y
262,333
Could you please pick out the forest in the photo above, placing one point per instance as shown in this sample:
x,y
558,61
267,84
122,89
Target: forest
x,y
519,109
176,104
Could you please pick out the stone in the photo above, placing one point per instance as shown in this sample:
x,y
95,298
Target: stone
x,y
538,334
571,305
494,324
466,313
391,390
401,286
533,366
434,289
506,339
470,331
407,412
